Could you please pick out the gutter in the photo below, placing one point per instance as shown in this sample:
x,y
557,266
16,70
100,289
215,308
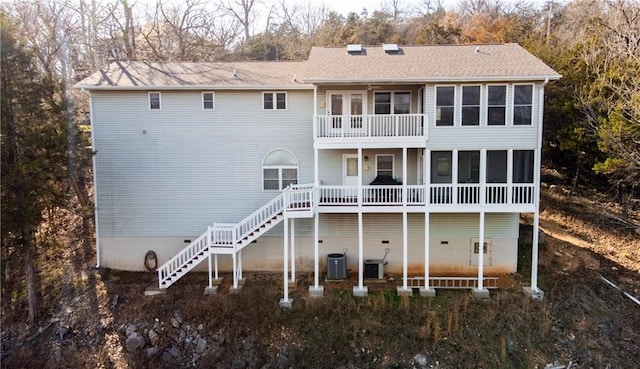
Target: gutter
x,y
194,87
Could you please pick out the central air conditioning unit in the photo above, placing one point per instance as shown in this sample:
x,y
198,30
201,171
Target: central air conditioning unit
x,y
336,266
374,268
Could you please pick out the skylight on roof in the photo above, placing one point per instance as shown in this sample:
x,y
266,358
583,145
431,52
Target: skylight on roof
x,y
390,48
354,48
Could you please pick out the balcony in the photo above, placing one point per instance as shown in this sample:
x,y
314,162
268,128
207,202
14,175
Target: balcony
x,y
443,197
342,131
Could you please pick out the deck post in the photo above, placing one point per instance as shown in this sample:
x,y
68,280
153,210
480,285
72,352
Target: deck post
x,y
404,290
235,270
480,291
454,176
240,265
316,290
360,290
215,266
293,251
285,302
426,291
210,273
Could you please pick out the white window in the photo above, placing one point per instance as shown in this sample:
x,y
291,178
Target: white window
x,y
496,105
445,105
274,100
470,105
279,170
154,100
522,105
384,165
392,103
208,102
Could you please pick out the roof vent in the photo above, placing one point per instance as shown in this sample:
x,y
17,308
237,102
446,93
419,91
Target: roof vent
x,y
390,48
354,49
477,49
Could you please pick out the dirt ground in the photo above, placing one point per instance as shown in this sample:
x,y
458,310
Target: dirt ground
x,y
93,318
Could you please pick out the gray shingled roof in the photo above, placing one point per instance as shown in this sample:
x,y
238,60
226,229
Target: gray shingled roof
x,y
426,64
145,75
448,63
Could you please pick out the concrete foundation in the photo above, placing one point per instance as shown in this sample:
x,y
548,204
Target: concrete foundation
x,y
152,291
213,290
481,293
316,292
360,292
404,291
427,292
286,304
536,294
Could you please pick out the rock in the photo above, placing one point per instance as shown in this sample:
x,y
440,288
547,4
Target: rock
x,y
201,345
130,329
175,323
282,362
182,336
200,327
178,316
420,360
219,338
134,342
213,354
152,352
174,352
153,337
238,363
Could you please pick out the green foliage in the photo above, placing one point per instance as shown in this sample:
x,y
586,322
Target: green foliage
x,y
33,142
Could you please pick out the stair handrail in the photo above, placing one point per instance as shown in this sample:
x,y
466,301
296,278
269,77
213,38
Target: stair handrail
x,y
259,217
181,258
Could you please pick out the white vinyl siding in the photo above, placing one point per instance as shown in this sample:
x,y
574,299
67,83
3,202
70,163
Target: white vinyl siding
x,y
208,172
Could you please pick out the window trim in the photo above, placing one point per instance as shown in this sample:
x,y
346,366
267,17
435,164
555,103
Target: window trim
x,y
213,100
393,164
159,100
462,106
279,168
513,104
274,95
505,106
392,102
435,104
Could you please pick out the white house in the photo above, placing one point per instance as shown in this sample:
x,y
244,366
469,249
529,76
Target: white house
x,y
415,155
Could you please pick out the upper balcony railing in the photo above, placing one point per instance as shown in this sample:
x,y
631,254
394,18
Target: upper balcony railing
x,y
370,127
432,195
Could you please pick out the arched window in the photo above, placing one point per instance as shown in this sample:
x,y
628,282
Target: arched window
x,y
279,170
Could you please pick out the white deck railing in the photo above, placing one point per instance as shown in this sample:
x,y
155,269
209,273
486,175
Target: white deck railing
x,y
439,194
367,126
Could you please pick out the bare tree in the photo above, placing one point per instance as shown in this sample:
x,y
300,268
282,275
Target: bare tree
x,y
244,12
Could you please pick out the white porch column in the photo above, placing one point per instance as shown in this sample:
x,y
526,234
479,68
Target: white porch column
x,y
534,291
480,291
454,175
215,266
483,176
210,272
509,176
360,290
293,251
404,290
316,290
316,170
285,302
235,270
239,265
